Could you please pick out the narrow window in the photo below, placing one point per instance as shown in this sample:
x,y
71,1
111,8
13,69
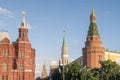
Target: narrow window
x,y
23,77
22,34
4,67
19,78
6,53
2,77
6,77
21,53
21,67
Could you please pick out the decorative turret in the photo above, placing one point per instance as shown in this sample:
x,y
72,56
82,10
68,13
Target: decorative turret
x,y
23,30
93,52
64,54
23,24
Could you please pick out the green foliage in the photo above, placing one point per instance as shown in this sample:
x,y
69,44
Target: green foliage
x,y
108,71
56,75
72,71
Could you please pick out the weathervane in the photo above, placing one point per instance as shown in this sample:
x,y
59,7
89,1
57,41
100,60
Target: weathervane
x,y
23,13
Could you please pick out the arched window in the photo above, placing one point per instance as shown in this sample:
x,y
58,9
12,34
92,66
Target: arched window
x,y
5,53
4,67
21,67
23,35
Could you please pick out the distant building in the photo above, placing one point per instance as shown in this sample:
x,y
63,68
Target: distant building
x,y
109,55
93,52
79,60
64,54
112,55
17,59
53,66
44,75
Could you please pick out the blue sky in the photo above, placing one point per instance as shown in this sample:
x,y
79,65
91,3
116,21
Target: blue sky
x,y
47,19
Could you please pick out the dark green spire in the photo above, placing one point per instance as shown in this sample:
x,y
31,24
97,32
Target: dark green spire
x,y
93,31
64,40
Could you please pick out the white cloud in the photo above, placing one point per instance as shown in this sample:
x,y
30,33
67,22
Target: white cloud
x,y
29,26
2,24
75,42
6,12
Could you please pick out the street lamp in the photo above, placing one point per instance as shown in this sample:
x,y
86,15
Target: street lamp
x,y
63,73
115,73
102,71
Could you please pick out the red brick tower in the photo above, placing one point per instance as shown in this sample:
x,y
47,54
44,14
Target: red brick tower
x,y
93,52
25,54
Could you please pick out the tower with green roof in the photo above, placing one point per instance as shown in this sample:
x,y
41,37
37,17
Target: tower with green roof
x,y
64,53
93,52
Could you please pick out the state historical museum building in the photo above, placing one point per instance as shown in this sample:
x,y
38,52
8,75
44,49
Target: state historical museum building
x,y
17,59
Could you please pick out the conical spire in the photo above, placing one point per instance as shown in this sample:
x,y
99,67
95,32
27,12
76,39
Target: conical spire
x,y
23,24
64,54
93,31
44,72
64,40
44,68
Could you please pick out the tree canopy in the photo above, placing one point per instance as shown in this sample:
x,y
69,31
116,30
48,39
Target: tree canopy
x,y
74,71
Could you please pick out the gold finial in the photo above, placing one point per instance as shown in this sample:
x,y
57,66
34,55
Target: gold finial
x,y
23,13
93,12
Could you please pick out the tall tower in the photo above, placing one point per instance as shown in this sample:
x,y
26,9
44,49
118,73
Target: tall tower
x,y
93,52
64,54
44,73
23,30
25,54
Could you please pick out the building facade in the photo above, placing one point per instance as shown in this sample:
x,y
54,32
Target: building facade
x,y
17,59
113,56
93,52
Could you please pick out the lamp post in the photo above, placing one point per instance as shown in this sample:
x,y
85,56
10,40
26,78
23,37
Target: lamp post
x,y
115,73
102,71
63,73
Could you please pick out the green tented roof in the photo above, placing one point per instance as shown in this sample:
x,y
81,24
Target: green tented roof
x,y
64,41
93,31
